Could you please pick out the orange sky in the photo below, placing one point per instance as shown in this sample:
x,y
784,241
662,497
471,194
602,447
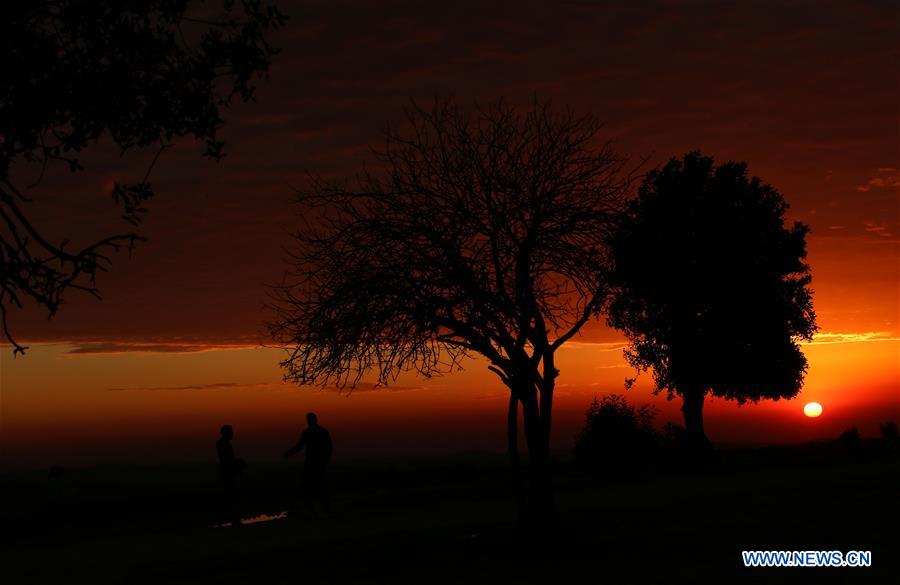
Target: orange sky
x,y
805,93
63,407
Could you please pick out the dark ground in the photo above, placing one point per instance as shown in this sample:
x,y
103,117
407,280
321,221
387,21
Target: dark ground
x,y
452,520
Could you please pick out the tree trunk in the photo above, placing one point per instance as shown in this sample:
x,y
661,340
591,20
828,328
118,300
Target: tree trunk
x,y
512,430
533,490
512,446
547,387
540,506
692,409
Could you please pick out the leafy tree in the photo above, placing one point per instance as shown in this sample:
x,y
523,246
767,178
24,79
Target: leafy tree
x,y
711,287
139,72
616,433
481,233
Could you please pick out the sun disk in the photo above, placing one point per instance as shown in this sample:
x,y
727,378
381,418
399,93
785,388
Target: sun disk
x,y
812,409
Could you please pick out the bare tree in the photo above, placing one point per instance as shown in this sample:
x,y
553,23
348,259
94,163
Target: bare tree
x,y
482,234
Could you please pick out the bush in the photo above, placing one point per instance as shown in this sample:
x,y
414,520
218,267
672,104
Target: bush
x,y
616,433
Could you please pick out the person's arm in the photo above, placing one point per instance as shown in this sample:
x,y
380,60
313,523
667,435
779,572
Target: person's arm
x,y
298,447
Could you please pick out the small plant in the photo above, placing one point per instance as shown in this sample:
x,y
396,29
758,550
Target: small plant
x,y
616,433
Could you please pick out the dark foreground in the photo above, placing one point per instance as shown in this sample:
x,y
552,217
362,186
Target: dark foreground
x,y
453,521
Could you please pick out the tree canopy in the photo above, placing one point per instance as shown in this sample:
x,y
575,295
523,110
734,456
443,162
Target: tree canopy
x,y
711,287
140,72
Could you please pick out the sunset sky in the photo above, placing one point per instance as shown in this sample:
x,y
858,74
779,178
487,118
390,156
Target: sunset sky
x,y
806,92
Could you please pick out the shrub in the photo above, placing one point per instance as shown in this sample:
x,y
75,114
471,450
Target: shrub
x,y
616,433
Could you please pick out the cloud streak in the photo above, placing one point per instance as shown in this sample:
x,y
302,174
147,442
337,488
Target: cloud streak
x,y
115,347
597,345
886,181
828,338
227,386
191,387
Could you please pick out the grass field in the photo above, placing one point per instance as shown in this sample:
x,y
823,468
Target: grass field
x,y
452,520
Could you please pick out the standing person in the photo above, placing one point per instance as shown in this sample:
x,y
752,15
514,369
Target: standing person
x,y
230,470
316,440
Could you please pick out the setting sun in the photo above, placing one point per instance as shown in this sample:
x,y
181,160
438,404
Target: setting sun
x,y
812,409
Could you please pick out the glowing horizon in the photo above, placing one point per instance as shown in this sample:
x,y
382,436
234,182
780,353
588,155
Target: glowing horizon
x,y
98,405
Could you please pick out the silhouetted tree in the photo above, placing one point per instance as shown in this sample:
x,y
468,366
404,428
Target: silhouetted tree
x,y
484,234
139,72
616,433
711,287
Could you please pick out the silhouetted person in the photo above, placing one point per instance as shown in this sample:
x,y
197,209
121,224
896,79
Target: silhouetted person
x,y
230,470
316,441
